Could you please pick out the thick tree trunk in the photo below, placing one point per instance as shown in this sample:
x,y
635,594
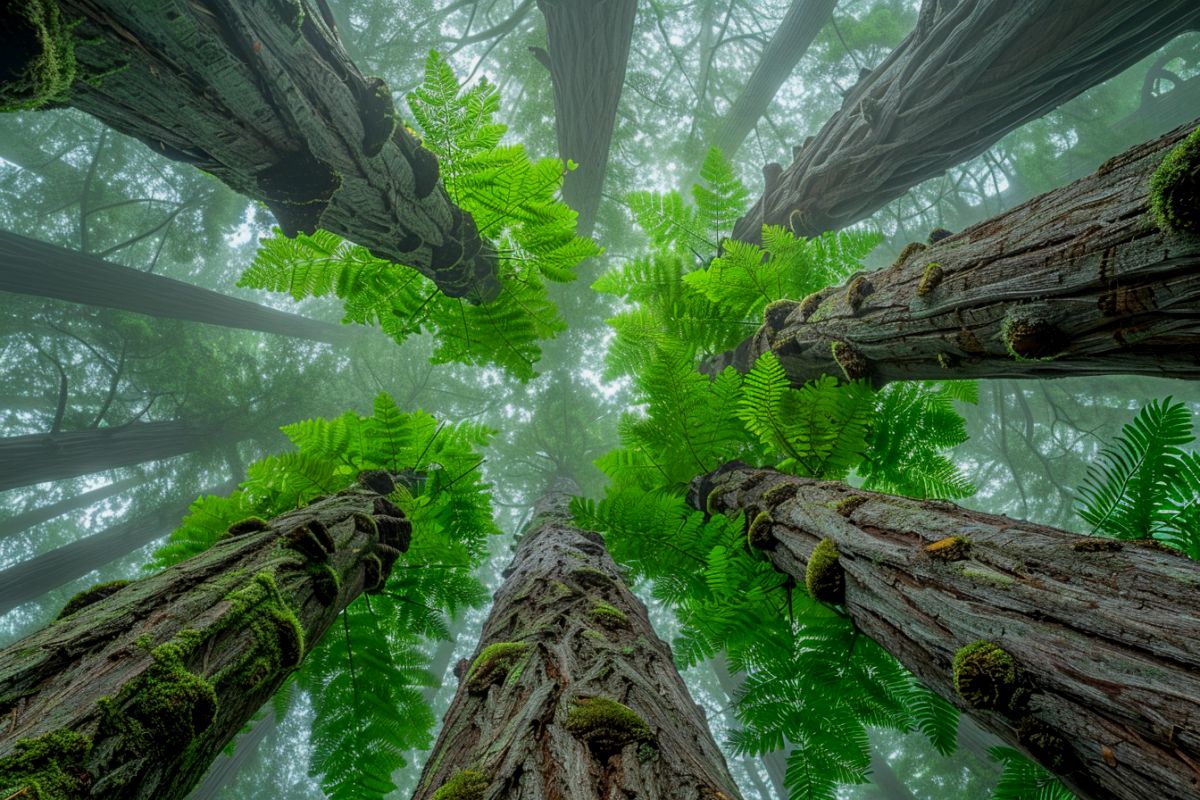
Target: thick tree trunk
x,y
791,40
20,522
28,266
1083,652
588,48
571,694
1078,281
263,96
132,697
969,73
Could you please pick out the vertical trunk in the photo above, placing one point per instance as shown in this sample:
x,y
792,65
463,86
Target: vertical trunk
x,y
46,270
132,695
20,522
1082,652
262,96
968,74
571,694
775,763
221,771
588,47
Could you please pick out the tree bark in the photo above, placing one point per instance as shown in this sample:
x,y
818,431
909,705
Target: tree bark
x,y
969,73
571,694
1078,281
30,267
262,96
791,40
133,696
1103,636
36,516
588,48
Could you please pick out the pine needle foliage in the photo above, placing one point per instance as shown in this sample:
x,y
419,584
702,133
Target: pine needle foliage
x,y
512,199
1145,485
366,674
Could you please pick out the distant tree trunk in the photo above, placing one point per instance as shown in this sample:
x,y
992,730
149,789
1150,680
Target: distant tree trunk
x,y
571,694
36,516
1077,281
969,73
262,96
588,48
30,267
225,767
791,40
1081,651
131,697
775,762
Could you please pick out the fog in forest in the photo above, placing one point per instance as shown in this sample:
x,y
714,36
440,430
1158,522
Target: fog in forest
x,y
366,356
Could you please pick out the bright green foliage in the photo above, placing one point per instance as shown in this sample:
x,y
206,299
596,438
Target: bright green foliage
x,y
1145,485
1024,779
36,28
512,200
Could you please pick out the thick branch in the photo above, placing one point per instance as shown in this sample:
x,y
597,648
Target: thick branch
x,y
1103,633
969,73
1078,281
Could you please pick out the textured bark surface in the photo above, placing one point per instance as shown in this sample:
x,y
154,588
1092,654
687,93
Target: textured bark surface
x,y
1077,281
791,40
28,266
588,48
1107,634
970,72
263,96
154,679
510,730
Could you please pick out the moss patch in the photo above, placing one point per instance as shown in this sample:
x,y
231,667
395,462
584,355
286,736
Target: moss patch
x,y
247,525
326,583
910,250
594,578
853,363
937,234
277,631
931,278
609,615
494,664
758,534
606,726
37,64
466,784
1174,199
808,306
850,504
88,596
48,767
986,676
823,577
859,290
952,548
1030,334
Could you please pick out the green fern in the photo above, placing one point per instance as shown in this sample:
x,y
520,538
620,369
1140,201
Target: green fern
x,y
1023,779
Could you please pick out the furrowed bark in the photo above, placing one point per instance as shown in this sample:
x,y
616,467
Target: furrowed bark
x,y
1079,281
262,96
47,270
131,697
969,73
588,49
571,694
1104,635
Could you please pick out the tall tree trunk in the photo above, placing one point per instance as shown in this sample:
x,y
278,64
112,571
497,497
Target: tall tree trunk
x,y
571,694
262,96
131,697
28,266
224,768
1083,652
775,762
20,522
969,73
791,40
588,48
1078,281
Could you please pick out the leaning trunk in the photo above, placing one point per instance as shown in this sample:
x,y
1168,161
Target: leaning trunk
x,y
1083,652
74,502
133,691
571,694
262,96
1082,280
969,73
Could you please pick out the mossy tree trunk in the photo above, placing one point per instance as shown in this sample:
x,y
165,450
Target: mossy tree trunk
x,y
968,73
1083,280
262,96
570,693
47,270
133,695
1083,652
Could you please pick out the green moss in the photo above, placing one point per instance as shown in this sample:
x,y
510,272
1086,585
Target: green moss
x,y
947,360
853,363
711,503
606,726
366,524
1174,195
50,767
931,278
609,615
466,784
987,677
823,577
849,505
589,577
990,576
326,583
808,306
1045,744
306,543
859,289
595,635
758,534
248,525
39,62
91,595
910,250
261,608
776,494
373,575
937,234
951,548
1029,333
776,313
494,664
